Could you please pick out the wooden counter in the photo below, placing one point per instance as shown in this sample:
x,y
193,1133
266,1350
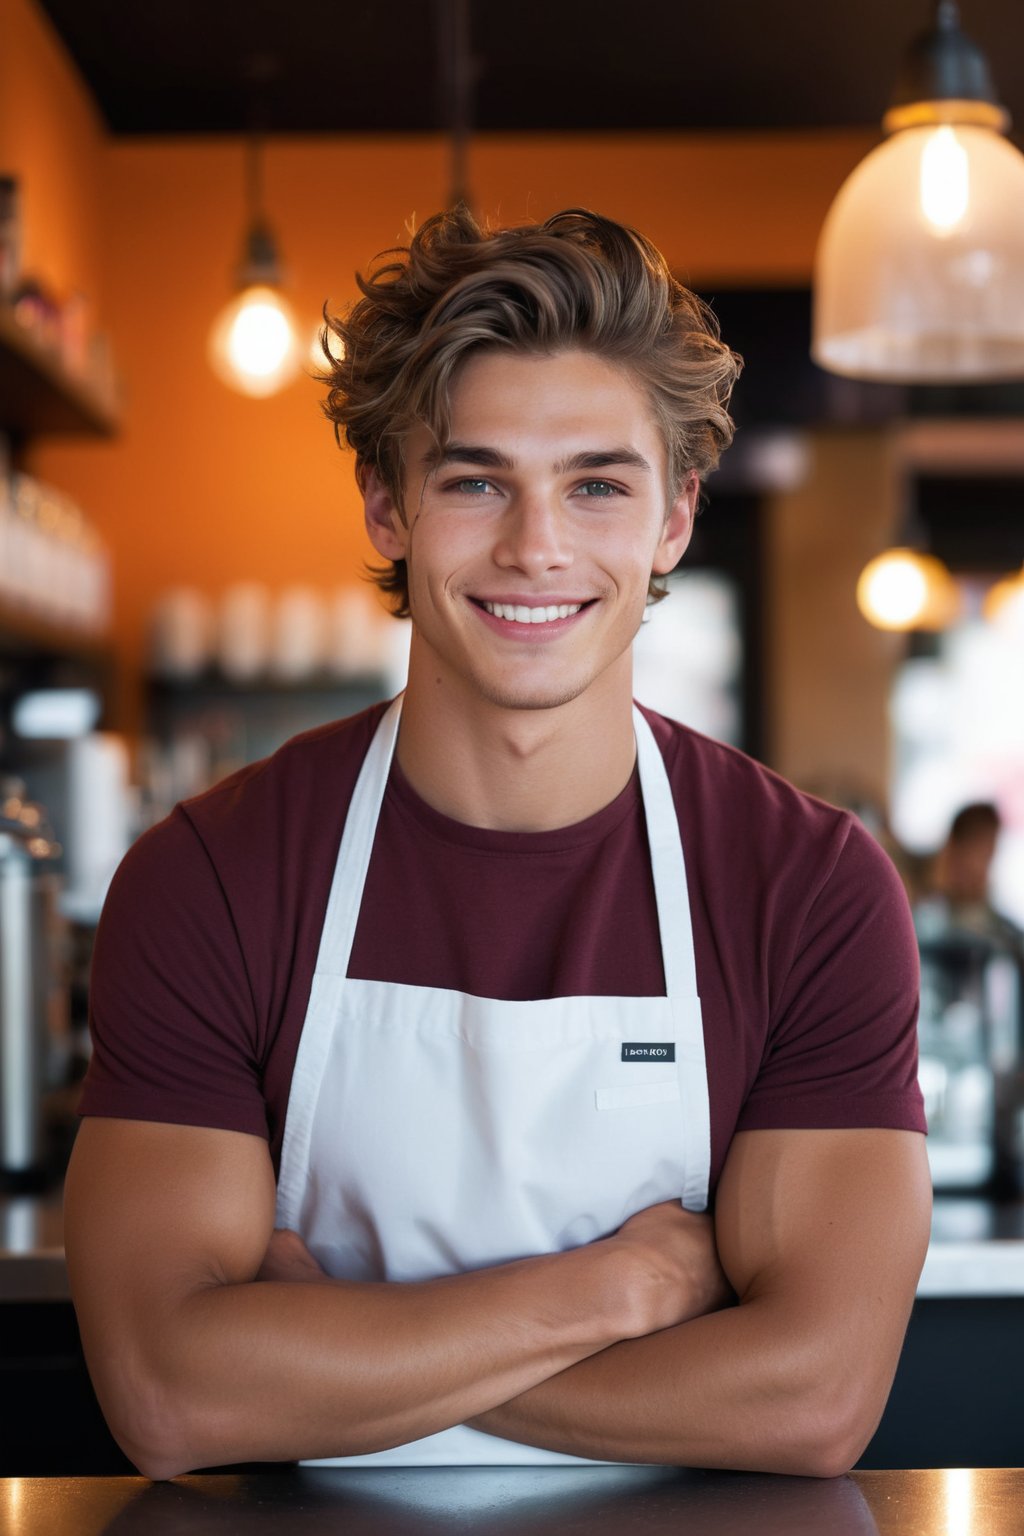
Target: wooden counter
x,y
522,1501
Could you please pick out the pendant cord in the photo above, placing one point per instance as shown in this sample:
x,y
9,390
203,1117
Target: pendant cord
x,y
253,177
455,83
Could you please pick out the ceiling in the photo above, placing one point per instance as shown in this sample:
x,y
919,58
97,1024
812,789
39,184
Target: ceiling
x,y
351,66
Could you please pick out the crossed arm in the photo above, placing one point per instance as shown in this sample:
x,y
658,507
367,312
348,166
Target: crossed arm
x,y
205,1348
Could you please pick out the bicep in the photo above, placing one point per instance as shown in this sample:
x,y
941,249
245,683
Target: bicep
x,y
830,1227
153,1213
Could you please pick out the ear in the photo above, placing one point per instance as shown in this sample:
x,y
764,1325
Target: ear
x,y
675,535
384,524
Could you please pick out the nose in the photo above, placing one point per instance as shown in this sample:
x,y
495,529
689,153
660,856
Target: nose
x,y
535,537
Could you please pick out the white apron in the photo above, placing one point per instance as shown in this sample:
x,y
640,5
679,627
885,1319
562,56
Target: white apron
x,y
430,1132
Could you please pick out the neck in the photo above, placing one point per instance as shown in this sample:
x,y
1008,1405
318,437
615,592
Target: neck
x,y
517,770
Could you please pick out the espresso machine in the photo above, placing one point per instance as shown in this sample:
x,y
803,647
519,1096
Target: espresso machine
x,y
34,1032
971,1068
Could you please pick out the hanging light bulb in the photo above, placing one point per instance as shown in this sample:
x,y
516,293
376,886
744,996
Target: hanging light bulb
x,y
903,589
1004,601
919,273
253,344
945,185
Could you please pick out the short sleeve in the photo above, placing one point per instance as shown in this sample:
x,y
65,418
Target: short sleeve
x,y
171,1010
842,1046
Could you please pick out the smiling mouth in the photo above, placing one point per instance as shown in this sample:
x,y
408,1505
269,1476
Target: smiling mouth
x,y
521,613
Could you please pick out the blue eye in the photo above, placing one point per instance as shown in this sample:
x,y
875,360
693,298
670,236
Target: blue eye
x,y
599,489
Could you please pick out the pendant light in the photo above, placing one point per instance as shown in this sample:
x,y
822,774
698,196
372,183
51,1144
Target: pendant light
x,y
904,589
919,273
1004,602
253,346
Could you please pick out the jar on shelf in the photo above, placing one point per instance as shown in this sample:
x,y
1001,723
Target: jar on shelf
x,y
10,236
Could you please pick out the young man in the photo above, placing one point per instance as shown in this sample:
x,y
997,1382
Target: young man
x,y
422,1047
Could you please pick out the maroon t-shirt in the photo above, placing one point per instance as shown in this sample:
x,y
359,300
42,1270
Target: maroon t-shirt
x,y
806,957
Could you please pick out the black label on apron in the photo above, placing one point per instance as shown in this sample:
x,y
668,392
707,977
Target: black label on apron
x,y
648,1050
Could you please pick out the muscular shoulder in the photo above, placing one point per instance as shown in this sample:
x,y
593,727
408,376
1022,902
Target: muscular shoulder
x,y
271,833
259,844
740,818
208,936
803,922
286,805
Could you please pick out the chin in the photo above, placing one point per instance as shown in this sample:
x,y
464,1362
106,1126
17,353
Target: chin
x,y
525,696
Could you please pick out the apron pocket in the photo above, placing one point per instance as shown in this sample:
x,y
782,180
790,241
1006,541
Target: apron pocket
x,y
631,1095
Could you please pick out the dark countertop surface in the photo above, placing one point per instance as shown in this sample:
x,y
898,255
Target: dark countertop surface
x,y
521,1501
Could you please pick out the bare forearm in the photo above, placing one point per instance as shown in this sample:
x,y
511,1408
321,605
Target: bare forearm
x,y
741,1388
823,1235
207,1343
283,1370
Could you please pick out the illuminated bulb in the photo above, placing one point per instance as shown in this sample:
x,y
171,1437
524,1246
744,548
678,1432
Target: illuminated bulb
x,y
902,590
260,338
891,592
1004,602
252,346
945,181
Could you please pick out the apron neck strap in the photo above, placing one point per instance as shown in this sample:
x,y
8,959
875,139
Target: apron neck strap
x,y
353,861
668,865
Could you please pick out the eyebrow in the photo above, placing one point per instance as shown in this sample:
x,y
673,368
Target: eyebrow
x,y
492,458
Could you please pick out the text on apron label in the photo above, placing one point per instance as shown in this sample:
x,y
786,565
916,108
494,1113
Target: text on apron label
x,y
654,1050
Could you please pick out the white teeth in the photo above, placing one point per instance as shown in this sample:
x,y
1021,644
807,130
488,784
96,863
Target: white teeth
x,y
519,613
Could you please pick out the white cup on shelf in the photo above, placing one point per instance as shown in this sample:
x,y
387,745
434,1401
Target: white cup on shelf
x,y
356,646
244,631
181,632
300,633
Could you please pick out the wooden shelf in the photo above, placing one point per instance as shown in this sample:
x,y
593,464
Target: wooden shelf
x,y
37,394
23,633
212,683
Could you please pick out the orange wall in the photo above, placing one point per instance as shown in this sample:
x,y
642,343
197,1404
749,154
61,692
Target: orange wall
x,y
204,486
728,208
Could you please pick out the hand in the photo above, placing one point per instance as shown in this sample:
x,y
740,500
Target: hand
x,y
675,1274
288,1258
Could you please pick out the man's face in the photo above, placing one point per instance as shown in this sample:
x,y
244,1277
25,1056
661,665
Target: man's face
x,y
968,864
530,541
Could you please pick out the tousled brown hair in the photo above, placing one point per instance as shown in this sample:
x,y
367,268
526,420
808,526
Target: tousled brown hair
x,y
576,281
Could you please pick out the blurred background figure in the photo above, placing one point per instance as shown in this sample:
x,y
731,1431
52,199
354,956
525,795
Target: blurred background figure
x,y
971,1024
958,897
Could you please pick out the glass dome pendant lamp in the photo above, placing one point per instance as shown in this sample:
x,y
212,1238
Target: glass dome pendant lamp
x,y
253,346
919,272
